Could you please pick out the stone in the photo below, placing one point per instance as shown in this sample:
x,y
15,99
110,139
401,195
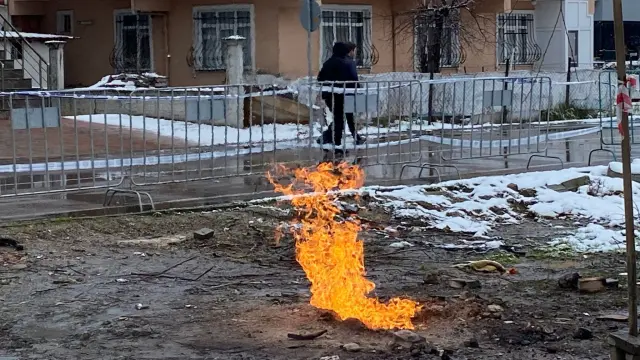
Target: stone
x,y
528,192
513,187
611,283
576,183
569,281
472,343
464,283
557,188
352,347
203,234
495,308
583,334
431,279
615,174
407,339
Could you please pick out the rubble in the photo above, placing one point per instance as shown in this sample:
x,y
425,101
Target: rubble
x,y
203,234
351,347
569,281
407,338
572,184
583,334
146,80
464,283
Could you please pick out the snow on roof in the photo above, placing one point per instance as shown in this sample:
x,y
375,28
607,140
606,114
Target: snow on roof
x,y
29,35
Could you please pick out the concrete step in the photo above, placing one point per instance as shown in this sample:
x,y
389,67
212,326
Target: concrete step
x,y
11,74
8,85
6,64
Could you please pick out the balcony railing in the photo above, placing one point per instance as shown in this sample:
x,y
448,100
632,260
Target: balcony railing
x,y
515,39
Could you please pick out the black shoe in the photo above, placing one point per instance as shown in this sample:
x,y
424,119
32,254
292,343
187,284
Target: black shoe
x,y
360,140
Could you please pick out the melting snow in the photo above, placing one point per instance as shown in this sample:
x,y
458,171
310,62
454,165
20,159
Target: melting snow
x,y
476,205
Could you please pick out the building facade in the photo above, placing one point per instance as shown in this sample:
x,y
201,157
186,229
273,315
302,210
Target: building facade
x,y
182,39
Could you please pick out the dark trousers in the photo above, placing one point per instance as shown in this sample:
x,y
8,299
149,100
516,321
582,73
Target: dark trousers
x,y
335,102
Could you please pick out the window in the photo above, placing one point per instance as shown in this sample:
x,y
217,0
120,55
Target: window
x,y
344,23
212,25
64,22
132,51
450,51
516,40
572,36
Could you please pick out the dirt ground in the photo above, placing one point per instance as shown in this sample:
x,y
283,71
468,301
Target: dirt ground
x,y
141,287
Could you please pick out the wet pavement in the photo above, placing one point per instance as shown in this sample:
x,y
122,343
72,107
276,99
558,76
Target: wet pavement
x,y
239,175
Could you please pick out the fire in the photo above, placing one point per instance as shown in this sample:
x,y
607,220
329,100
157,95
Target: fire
x,y
330,253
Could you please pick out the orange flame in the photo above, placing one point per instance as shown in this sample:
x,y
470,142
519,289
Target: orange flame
x,y
331,254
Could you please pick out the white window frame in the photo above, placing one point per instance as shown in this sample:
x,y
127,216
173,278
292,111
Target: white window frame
x,y
197,32
529,35
455,46
116,37
60,19
367,33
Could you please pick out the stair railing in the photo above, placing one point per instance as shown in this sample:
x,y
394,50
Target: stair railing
x,y
18,49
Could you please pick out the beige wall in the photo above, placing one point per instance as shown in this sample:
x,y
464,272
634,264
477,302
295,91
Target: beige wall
x,y
280,41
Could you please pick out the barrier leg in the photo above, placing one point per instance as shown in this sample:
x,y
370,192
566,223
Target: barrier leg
x,y
545,156
603,150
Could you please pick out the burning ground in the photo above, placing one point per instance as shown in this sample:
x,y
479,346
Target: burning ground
x,y
144,287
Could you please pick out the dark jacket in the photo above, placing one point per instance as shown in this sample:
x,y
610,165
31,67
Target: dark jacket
x,y
339,67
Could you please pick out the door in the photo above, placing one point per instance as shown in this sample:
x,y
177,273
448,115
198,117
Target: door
x,y
132,52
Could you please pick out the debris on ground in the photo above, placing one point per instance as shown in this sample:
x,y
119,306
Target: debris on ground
x,y
306,336
203,234
583,334
8,242
569,281
352,347
407,338
591,284
486,266
464,283
239,295
614,317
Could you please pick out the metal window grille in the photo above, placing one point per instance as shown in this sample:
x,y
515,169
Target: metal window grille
x,y
132,51
516,39
211,28
352,26
451,52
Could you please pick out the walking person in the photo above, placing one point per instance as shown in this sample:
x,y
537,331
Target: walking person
x,y
340,67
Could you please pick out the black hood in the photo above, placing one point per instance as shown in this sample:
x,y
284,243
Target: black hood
x,y
341,49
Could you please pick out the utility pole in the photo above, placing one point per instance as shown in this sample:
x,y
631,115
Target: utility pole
x,y
618,26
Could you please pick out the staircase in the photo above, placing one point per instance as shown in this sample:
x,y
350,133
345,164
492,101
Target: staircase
x,y
22,68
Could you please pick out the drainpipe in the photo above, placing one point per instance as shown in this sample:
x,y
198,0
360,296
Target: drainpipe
x,y
393,42
393,37
167,63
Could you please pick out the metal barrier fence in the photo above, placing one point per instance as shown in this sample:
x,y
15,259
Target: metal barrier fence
x,y
88,139
607,91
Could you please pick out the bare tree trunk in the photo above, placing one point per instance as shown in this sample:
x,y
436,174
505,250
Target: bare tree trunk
x,y
430,59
